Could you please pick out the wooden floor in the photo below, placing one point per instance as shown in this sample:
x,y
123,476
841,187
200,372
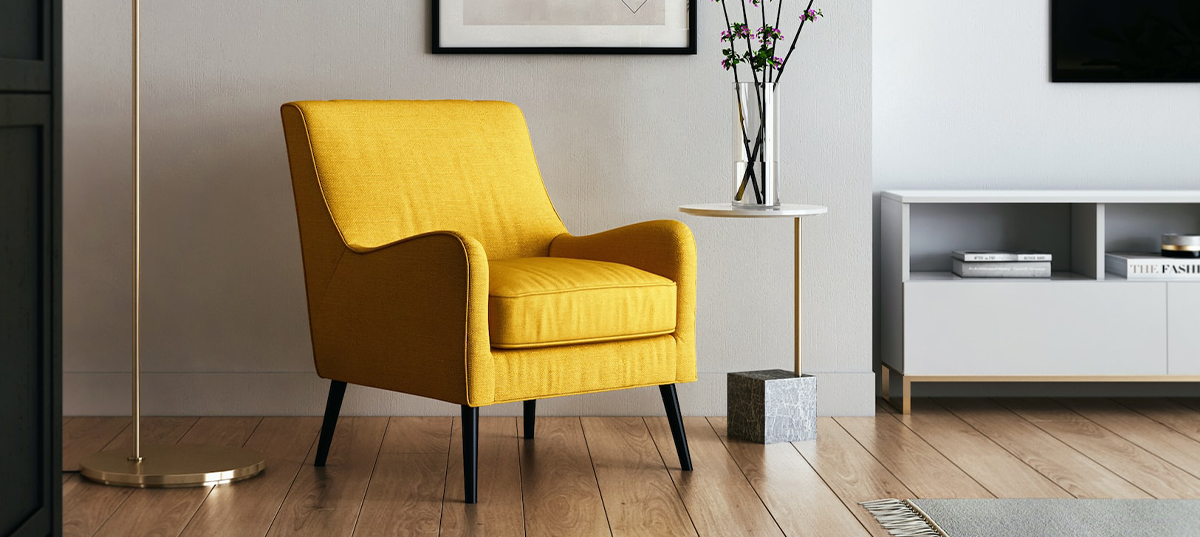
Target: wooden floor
x,y
620,476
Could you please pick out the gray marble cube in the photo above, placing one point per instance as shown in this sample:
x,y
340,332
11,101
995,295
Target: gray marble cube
x,y
772,406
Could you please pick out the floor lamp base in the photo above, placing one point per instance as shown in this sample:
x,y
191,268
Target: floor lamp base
x,y
173,466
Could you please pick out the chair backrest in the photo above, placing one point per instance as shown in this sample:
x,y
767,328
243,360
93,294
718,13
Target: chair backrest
x,y
387,170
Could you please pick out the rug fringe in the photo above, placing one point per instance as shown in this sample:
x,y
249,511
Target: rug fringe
x,y
902,519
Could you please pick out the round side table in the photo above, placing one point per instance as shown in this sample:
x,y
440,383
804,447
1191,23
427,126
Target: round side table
x,y
774,405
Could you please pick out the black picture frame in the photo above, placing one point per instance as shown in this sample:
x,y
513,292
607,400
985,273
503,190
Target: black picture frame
x,y
689,49
1061,15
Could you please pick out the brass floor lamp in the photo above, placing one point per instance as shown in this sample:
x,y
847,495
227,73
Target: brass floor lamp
x,y
172,465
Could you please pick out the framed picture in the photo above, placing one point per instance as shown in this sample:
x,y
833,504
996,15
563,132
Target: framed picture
x,y
1118,41
564,26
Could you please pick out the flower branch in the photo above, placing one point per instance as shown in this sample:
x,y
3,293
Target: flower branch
x,y
758,53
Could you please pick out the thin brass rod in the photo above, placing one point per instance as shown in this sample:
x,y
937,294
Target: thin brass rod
x,y
798,293
170,465
137,239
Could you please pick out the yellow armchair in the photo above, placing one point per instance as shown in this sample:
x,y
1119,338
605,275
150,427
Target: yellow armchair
x,y
435,265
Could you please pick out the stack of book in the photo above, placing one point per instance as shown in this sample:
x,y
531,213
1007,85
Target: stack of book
x,y
1136,266
994,264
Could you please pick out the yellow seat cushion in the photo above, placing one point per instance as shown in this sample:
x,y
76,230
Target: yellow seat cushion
x,y
545,301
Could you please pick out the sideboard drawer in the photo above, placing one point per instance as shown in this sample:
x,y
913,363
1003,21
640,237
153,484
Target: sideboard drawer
x,y
1036,328
1183,328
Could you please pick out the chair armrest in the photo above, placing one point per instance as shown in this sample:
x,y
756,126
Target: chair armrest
x,y
662,247
410,316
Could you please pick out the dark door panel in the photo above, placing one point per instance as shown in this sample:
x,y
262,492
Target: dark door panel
x,y
26,63
23,150
30,271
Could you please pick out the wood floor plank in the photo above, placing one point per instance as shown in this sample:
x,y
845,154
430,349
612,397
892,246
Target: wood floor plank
x,y
1189,402
1182,419
1136,465
499,511
922,468
1001,473
799,500
1062,464
156,430
326,501
851,471
409,481
405,496
1039,410
165,512
639,496
560,489
87,505
417,435
83,436
1152,436
246,508
718,497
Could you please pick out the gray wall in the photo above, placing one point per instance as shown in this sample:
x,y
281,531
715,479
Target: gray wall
x,y
620,139
962,100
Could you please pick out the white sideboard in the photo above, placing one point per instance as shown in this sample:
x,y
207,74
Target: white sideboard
x,y
1078,325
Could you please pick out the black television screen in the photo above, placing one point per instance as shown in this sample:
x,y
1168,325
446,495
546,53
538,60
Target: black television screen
x,y
1122,41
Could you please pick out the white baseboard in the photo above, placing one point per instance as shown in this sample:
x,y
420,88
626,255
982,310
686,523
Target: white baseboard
x,y
303,394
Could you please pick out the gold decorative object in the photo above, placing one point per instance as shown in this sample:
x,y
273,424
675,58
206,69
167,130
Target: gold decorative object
x,y
160,466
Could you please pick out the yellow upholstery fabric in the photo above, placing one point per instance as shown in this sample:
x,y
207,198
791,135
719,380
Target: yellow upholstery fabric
x,y
543,301
391,170
662,247
404,207
414,334
523,374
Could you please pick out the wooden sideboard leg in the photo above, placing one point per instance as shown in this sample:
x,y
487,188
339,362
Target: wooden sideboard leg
x,y
906,406
885,382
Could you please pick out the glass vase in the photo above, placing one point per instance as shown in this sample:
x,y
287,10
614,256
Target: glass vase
x,y
756,144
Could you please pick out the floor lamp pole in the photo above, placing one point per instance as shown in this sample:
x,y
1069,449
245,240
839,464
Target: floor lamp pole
x,y
159,466
137,236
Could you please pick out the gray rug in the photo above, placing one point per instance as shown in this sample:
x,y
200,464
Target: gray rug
x,y
1038,518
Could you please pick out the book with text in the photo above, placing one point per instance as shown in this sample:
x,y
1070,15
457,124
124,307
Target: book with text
x,y
973,256
1031,255
1143,266
1031,269
983,255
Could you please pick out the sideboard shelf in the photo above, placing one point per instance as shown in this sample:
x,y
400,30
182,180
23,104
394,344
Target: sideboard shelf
x,y
951,277
1081,324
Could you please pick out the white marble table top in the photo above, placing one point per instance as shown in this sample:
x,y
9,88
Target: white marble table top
x,y
729,210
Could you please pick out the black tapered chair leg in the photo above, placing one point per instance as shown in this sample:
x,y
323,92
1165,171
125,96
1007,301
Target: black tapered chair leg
x,y
530,417
333,407
671,403
470,442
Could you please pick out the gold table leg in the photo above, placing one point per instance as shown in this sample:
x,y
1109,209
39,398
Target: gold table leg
x,y
796,312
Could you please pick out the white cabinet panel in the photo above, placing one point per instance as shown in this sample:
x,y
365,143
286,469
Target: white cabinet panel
x,y
1036,328
1183,329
